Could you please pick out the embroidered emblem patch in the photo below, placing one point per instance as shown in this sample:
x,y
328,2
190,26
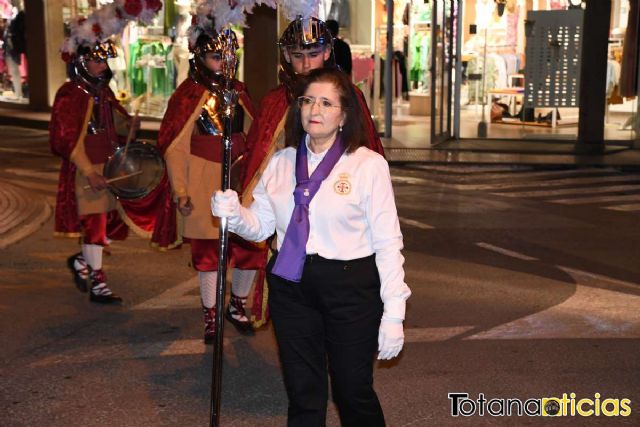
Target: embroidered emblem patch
x,y
342,185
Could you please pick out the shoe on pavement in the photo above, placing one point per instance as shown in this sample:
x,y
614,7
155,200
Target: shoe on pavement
x,y
237,315
209,324
80,271
100,292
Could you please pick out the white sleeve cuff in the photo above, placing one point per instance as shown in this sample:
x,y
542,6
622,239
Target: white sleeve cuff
x,y
394,308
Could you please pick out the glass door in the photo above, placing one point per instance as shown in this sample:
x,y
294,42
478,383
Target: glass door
x,y
443,17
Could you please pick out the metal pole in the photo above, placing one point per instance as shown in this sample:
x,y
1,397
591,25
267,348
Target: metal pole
x,y
216,375
458,59
388,89
229,62
482,125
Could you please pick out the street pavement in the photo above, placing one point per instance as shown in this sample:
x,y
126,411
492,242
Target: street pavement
x,y
526,284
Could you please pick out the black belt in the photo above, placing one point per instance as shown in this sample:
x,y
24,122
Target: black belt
x,y
315,258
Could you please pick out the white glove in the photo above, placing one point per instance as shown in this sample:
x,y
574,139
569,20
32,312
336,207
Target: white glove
x,y
390,338
225,205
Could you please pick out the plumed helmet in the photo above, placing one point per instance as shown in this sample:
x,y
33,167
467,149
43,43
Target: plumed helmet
x,y
203,39
306,32
100,51
203,36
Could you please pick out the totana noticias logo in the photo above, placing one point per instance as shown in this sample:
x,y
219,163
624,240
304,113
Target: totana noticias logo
x,y
566,406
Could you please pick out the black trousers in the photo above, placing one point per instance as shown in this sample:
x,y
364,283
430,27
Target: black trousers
x,y
332,315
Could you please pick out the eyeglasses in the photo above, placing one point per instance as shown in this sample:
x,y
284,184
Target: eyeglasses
x,y
306,102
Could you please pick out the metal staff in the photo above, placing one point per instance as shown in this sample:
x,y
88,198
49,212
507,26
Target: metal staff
x,y
229,63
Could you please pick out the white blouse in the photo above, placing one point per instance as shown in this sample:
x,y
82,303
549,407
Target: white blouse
x,y
353,215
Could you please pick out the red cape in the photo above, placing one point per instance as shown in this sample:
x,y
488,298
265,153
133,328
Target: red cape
x,y
374,140
68,118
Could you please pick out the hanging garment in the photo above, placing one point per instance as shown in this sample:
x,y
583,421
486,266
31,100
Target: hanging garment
x,y
629,72
401,60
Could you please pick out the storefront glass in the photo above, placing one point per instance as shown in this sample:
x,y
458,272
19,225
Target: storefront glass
x,y
14,81
621,119
528,83
521,86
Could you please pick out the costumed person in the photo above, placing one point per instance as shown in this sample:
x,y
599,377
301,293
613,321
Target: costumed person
x,y
87,125
83,131
336,284
190,138
305,45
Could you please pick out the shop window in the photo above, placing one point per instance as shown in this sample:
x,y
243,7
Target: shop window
x,y
14,81
152,60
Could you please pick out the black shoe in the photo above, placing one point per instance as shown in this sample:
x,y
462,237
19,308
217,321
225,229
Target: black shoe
x,y
105,299
80,275
245,328
209,324
100,292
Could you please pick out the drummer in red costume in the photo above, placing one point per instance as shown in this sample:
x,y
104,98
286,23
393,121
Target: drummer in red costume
x,y
87,124
306,44
190,138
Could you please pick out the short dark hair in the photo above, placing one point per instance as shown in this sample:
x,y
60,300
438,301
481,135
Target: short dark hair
x,y
333,27
353,133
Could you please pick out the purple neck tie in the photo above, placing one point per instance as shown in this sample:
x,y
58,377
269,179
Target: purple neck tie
x,y
293,251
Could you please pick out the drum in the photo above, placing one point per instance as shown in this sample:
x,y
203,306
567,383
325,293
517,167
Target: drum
x,y
134,171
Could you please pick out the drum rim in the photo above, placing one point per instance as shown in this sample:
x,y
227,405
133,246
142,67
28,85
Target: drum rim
x,y
140,193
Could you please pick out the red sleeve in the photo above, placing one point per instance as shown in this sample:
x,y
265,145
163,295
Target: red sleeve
x,y
181,106
374,140
245,99
272,109
68,117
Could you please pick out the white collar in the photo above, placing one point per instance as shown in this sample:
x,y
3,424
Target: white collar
x,y
314,157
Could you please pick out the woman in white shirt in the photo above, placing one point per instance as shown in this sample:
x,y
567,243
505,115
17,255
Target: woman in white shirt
x,y
336,283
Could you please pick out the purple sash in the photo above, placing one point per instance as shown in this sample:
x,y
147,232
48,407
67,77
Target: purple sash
x,y
293,251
